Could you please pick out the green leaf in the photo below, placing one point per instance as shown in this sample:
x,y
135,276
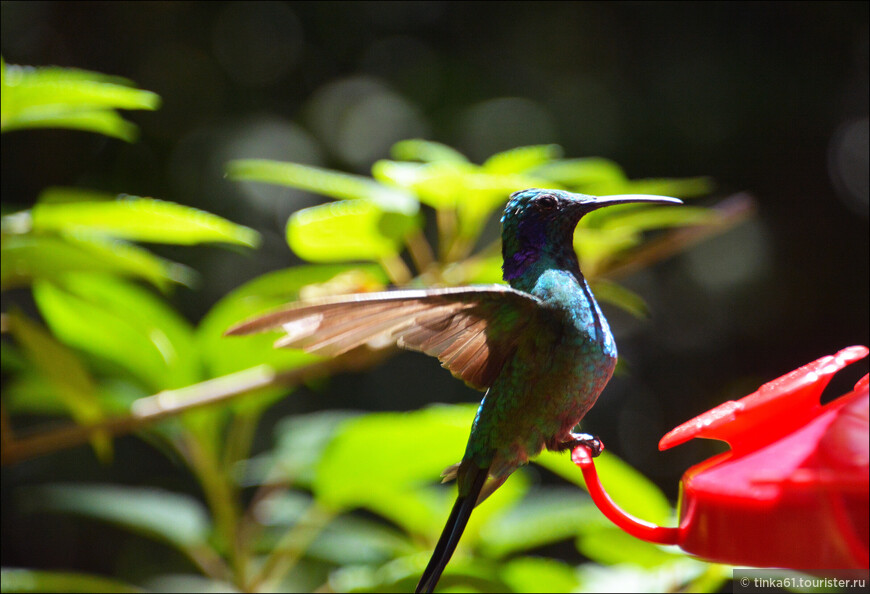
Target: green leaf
x,y
543,517
632,491
123,323
485,192
369,464
536,574
65,194
441,184
581,174
330,183
348,230
351,540
482,269
343,476
13,361
300,443
140,219
68,378
675,576
610,292
67,98
608,545
175,519
26,258
107,123
425,150
31,580
596,246
521,159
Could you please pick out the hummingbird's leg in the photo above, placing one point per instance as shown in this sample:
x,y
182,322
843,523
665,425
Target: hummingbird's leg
x,y
595,445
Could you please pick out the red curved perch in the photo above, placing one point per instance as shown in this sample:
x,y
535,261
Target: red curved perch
x,y
634,526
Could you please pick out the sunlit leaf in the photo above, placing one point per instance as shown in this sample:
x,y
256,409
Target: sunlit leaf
x,y
54,97
324,181
608,545
140,219
441,184
348,230
66,194
543,517
123,323
581,174
486,192
425,150
344,475
537,574
395,482
26,258
178,520
610,292
32,580
675,576
484,269
103,122
69,380
595,246
521,159
631,491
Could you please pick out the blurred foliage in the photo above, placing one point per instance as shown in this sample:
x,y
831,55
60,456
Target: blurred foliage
x,y
68,98
111,341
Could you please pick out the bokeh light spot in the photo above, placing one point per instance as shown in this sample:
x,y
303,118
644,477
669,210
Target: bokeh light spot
x,y
848,160
500,124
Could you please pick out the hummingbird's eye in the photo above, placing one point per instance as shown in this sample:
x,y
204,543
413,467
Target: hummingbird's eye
x,y
547,202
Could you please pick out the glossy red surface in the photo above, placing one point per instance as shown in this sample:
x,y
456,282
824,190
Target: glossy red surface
x,y
792,491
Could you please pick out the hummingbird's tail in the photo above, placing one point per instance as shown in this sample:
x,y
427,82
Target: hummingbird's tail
x,y
475,477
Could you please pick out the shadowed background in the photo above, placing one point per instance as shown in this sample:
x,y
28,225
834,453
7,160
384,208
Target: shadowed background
x,y
766,98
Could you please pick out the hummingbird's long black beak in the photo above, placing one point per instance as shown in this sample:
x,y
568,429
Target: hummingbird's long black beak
x,y
601,201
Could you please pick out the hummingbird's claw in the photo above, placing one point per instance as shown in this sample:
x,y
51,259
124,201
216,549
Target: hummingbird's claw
x,y
592,442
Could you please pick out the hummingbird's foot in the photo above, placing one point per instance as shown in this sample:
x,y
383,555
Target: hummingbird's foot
x,y
595,445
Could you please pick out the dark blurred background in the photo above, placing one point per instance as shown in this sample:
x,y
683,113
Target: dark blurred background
x,y
768,98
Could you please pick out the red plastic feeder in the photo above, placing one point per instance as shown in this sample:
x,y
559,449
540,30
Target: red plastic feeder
x,y
792,491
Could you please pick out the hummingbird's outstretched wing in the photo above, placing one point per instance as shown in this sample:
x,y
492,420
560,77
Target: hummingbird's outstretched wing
x,y
472,330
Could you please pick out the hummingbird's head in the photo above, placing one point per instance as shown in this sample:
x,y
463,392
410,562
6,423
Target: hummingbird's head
x,y
537,222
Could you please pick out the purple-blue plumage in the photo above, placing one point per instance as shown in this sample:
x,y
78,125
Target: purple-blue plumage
x,y
558,366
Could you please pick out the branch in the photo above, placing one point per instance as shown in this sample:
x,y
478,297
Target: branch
x,y
170,403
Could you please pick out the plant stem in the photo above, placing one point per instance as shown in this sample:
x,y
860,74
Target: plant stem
x,y
420,250
447,223
396,270
220,496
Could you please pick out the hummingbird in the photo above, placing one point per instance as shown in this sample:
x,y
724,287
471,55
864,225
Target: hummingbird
x,y
540,348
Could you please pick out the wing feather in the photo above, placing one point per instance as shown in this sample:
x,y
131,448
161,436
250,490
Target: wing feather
x,y
472,330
